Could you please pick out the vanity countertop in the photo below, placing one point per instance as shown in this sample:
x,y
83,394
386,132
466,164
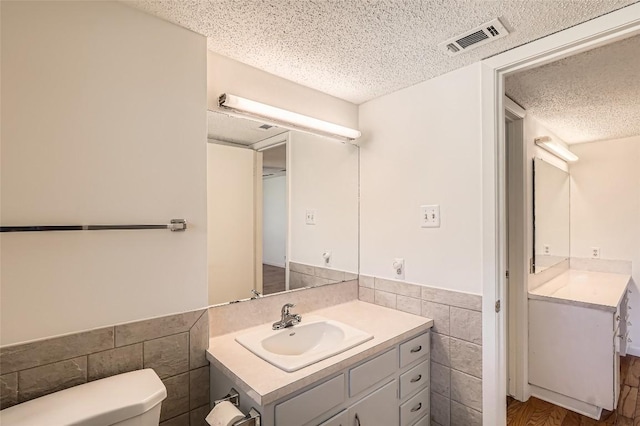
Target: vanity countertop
x,y
599,290
265,383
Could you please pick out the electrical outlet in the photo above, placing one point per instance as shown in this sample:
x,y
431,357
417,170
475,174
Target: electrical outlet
x,y
595,252
430,216
326,255
398,268
546,249
310,218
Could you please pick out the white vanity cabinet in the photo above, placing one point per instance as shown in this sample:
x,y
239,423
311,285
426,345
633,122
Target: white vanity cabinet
x,y
389,388
575,346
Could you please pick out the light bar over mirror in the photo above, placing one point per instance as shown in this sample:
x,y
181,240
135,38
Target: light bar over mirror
x,y
283,118
545,142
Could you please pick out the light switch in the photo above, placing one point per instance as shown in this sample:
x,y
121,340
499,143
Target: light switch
x,y
430,216
310,218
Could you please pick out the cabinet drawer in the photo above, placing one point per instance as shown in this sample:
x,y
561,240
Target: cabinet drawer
x,y
339,419
372,371
377,409
414,408
414,349
423,421
414,379
312,403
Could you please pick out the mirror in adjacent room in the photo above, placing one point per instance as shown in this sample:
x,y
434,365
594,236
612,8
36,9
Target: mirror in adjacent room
x,y
551,217
282,209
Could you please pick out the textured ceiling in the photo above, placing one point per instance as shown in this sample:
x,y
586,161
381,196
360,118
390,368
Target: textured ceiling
x,y
586,97
361,49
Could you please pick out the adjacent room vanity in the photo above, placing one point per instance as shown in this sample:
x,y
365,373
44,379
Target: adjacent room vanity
x,y
383,381
577,331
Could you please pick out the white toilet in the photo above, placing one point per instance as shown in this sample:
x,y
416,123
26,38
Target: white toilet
x,y
129,399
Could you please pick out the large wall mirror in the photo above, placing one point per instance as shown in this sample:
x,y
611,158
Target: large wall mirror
x,y
282,209
551,215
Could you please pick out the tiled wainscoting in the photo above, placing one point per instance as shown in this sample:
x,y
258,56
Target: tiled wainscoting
x,y
456,345
267,308
301,275
174,346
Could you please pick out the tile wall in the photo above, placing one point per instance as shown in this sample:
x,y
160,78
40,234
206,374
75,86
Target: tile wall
x,y
174,346
267,308
456,344
301,275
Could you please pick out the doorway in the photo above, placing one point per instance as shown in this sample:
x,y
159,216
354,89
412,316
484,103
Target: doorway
x,y
597,32
274,219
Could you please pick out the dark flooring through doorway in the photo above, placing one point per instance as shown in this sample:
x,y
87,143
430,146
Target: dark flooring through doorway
x,y
536,412
273,279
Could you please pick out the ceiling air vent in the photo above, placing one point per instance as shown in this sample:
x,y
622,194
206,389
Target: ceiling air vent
x,y
473,38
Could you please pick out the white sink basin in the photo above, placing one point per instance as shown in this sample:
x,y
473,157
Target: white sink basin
x,y
313,340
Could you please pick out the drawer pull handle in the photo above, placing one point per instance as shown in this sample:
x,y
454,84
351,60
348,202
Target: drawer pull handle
x,y
416,349
417,407
357,420
417,378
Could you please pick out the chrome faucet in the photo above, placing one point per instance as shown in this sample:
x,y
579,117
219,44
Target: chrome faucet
x,y
288,319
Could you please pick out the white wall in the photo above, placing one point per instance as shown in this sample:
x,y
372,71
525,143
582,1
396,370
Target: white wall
x,y
228,76
323,176
274,224
605,208
103,121
422,145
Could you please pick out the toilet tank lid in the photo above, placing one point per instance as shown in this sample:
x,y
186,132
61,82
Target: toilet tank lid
x,y
105,402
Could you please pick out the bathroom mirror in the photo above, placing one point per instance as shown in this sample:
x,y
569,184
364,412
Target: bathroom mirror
x,y
282,209
550,215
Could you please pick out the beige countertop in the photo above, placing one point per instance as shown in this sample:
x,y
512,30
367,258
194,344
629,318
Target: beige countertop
x,y
265,383
599,290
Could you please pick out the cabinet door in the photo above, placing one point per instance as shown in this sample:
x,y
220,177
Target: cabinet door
x,y
379,408
339,419
312,403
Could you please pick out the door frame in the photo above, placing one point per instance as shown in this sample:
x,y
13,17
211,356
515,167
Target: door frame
x,y
517,252
609,28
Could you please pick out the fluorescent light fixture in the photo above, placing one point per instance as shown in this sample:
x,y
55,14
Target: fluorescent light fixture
x,y
556,149
283,118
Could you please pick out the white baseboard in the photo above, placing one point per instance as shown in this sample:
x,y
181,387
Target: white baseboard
x,y
633,350
566,402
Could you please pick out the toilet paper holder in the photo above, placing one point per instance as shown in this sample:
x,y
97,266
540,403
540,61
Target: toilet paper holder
x,y
251,419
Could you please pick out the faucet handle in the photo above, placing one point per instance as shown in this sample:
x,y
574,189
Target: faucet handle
x,y
286,307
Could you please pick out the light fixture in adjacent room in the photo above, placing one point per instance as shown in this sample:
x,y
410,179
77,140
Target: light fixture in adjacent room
x,y
280,117
545,142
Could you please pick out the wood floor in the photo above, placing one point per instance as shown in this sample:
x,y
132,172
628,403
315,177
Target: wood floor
x,y
273,280
537,412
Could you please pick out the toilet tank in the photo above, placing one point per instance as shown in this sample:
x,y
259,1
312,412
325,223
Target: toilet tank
x,y
131,398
